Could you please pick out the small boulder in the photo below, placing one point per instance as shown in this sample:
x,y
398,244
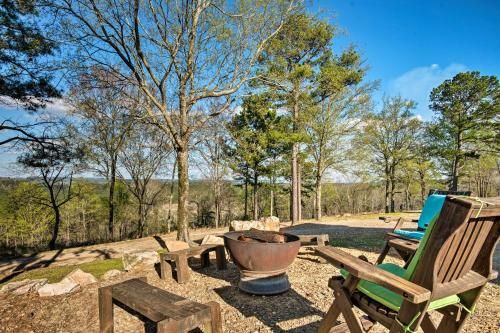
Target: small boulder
x,y
270,219
111,274
23,287
346,215
175,245
80,277
66,286
211,239
266,224
139,260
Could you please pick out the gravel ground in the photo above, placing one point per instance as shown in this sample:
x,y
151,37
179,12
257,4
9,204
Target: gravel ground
x,y
298,310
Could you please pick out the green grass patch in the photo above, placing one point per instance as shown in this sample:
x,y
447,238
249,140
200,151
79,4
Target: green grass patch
x,y
369,241
57,273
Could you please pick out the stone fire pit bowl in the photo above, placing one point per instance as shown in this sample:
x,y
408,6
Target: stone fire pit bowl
x,y
262,265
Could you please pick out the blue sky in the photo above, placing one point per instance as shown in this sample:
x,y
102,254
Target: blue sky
x,y
412,46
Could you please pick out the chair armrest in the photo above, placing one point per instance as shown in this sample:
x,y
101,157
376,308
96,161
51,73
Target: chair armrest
x,y
402,221
366,271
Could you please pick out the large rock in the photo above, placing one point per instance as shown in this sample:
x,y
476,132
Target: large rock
x,y
211,239
24,286
111,274
266,223
80,277
175,245
66,286
139,260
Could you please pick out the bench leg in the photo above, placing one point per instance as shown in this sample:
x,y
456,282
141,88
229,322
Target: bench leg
x,y
215,325
106,309
323,240
165,267
167,326
220,255
205,259
181,264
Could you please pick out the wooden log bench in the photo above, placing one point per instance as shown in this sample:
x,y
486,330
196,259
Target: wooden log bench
x,y
179,260
168,312
322,239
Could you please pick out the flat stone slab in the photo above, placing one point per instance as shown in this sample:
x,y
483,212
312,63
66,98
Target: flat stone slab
x,y
139,259
23,287
60,288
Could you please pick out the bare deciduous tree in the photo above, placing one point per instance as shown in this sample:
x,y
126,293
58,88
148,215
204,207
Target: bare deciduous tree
x,y
107,113
179,54
331,128
145,153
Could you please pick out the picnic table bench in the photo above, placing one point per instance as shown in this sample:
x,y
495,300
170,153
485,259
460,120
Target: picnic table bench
x,y
180,260
169,312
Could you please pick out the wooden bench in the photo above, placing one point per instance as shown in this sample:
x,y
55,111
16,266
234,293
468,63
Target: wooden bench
x,y
180,260
322,239
169,312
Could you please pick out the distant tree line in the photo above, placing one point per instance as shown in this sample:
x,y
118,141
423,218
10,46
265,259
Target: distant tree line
x,y
248,96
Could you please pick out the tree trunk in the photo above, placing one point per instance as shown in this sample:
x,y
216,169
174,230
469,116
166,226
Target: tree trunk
x,y
271,195
387,192
55,230
171,196
454,174
140,224
299,192
245,216
393,185
182,200
318,198
111,200
255,199
294,162
423,187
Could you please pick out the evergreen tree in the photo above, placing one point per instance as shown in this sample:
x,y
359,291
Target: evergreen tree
x,y
23,46
258,136
299,68
467,121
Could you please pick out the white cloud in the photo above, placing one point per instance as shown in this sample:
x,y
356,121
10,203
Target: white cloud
x,y
417,84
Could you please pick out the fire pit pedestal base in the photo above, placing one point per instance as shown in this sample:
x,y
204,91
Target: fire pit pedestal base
x,y
271,285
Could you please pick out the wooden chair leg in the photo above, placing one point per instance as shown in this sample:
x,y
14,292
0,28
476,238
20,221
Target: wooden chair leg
x,y
453,319
182,268
215,325
330,320
346,307
106,324
220,256
427,324
383,254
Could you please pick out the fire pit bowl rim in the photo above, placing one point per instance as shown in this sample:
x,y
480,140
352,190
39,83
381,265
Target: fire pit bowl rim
x,y
256,258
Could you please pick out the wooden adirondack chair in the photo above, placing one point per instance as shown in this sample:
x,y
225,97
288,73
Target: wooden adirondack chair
x,y
447,274
406,242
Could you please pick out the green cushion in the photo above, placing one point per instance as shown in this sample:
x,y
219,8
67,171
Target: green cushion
x,y
391,299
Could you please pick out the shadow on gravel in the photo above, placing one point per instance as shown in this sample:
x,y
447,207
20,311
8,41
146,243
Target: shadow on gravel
x,y
272,311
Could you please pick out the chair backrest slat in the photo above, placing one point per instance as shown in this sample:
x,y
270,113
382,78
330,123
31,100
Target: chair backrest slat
x,y
456,245
466,244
